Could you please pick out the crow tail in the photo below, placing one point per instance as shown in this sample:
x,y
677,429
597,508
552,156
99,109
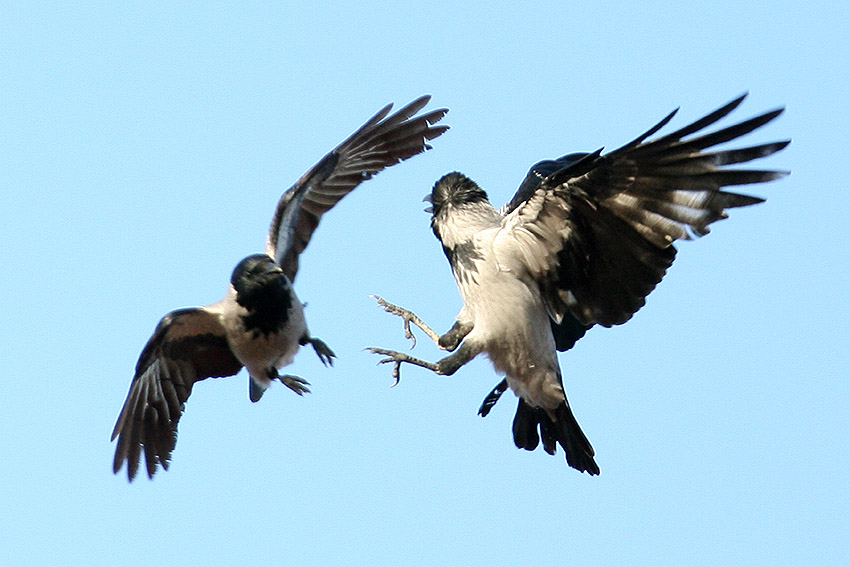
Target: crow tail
x,y
564,430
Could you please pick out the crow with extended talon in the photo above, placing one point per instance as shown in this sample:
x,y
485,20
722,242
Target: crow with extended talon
x,y
583,242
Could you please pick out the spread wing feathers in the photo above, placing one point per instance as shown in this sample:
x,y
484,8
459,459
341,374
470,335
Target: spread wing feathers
x,y
188,345
598,232
538,172
381,142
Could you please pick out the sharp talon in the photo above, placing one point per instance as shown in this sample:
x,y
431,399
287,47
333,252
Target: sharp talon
x,y
398,358
408,334
296,384
395,310
323,351
408,317
396,374
382,302
392,356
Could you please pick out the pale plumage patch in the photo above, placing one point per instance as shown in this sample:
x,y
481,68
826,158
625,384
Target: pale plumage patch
x,y
583,242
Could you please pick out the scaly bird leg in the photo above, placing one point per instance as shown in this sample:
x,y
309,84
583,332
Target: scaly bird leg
x,y
445,366
323,351
408,317
398,358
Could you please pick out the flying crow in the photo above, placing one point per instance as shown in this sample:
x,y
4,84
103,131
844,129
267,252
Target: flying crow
x,y
583,242
260,322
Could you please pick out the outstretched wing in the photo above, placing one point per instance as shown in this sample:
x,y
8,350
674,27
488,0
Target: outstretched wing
x,y
597,230
188,345
381,142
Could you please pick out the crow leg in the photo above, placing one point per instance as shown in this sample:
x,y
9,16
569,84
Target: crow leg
x,y
408,317
323,351
446,366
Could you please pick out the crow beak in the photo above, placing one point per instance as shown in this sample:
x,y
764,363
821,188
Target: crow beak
x,y
427,199
275,270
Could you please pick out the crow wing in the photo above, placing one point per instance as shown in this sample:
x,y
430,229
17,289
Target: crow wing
x,y
381,142
187,346
597,230
569,330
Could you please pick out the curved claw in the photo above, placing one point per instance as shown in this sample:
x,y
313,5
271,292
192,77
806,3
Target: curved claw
x,y
408,334
396,374
398,358
407,317
296,384
323,351
391,357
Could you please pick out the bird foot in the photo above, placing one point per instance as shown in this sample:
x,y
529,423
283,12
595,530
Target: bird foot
x,y
323,351
398,358
296,384
408,317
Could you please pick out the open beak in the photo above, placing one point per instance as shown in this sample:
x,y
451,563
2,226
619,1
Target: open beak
x,y
427,199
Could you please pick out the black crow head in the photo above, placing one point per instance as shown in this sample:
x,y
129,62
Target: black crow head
x,y
454,190
253,275
263,289
254,269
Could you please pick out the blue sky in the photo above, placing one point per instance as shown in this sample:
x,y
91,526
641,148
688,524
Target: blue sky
x,y
144,147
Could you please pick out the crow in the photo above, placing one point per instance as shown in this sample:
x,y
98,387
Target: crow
x,y
260,322
583,241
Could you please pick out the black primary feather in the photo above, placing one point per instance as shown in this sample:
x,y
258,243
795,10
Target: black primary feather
x,y
252,325
584,240
381,142
626,208
187,346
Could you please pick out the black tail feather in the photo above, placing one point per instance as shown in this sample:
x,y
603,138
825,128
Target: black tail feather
x,y
525,426
492,398
564,430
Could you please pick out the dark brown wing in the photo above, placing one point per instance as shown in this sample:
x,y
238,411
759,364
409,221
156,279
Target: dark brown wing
x,y
381,142
598,233
188,345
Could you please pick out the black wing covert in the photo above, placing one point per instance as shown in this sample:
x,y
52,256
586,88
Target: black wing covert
x,y
569,330
187,346
618,214
381,142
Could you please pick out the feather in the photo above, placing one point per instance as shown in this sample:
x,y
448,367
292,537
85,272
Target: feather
x,y
187,346
381,142
656,191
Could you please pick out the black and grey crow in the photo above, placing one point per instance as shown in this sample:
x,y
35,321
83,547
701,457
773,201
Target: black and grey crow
x,y
583,242
260,322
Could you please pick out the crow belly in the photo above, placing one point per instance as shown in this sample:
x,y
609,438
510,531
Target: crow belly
x,y
541,390
291,335
260,351
527,358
